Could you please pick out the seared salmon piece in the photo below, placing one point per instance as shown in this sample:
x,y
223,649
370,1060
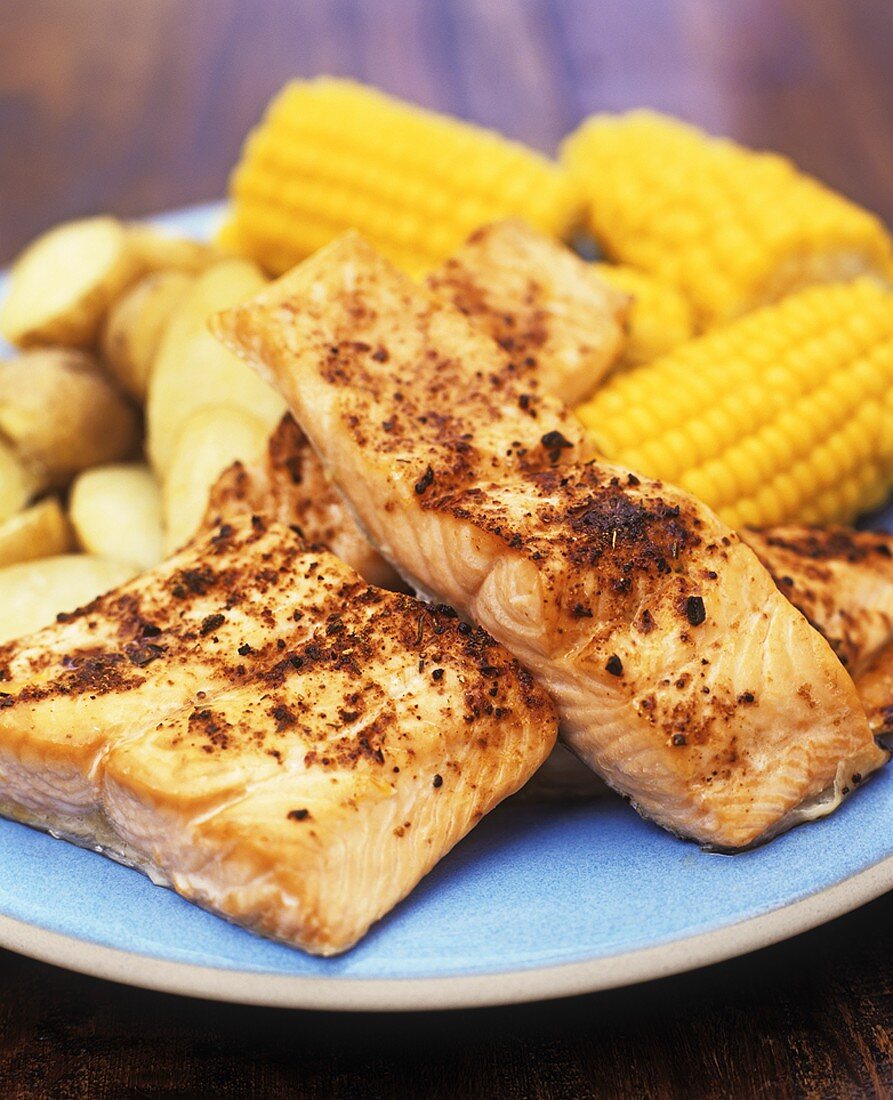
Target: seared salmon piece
x,y
550,311
842,581
680,672
561,325
255,725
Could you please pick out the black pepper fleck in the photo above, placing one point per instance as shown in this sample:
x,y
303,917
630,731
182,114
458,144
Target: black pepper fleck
x,y
695,611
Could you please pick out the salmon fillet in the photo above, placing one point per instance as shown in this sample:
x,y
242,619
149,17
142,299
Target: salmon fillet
x,y
562,324
253,724
619,593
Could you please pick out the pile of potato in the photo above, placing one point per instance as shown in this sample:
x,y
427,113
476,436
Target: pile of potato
x,y
118,412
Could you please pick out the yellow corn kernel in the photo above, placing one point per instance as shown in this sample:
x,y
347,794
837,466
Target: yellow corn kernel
x,y
331,155
659,318
766,420
730,228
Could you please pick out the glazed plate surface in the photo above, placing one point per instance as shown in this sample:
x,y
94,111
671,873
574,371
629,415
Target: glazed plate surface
x,y
541,900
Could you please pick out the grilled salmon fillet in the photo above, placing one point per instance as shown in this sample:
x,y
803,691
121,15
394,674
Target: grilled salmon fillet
x,y
549,310
255,725
621,594
561,324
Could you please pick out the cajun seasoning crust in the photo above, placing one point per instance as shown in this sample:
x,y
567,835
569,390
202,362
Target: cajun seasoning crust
x,y
108,668
842,581
569,564
557,319
288,484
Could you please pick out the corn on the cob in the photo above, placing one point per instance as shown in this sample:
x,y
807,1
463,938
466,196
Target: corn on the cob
x,y
786,414
659,317
731,228
331,155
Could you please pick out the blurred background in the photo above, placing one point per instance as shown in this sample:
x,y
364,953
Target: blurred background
x,y
133,106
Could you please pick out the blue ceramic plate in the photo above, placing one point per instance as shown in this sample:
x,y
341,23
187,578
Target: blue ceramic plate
x,y
540,901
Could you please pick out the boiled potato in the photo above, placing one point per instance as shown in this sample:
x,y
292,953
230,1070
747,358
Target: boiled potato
x,y
62,284
160,251
132,331
17,482
116,513
60,414
193,370
210,441
33,593
39,532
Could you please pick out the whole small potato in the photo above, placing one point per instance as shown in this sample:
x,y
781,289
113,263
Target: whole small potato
x,y
135,325
61,414
161,251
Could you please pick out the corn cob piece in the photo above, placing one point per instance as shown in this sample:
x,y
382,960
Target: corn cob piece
x,y
331,155
783,415
731,228
659,317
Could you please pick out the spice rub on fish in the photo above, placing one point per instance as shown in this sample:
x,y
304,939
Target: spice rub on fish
x,y
282,743
559,322
842,581
287,483
681,673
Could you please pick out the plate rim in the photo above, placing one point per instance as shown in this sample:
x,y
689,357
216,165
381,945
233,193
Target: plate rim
x,y
335,994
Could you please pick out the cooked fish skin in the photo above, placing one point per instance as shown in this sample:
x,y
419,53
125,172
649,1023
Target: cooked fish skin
x,y
842,581
549,310
619,593
253,723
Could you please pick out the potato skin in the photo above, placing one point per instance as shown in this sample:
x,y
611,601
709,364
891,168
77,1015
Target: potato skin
x,y
18,482
159,251
61,414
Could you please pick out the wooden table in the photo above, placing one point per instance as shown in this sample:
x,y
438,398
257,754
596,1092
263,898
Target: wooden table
x,y
136,106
